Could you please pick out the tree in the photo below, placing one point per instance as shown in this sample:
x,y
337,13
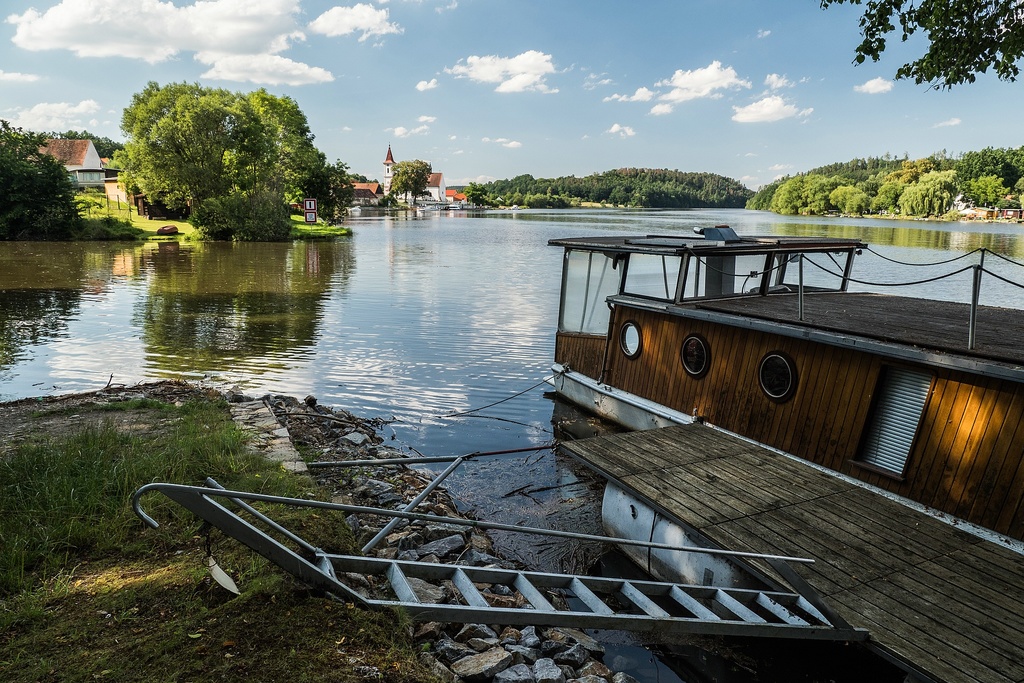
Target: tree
x,y
247,155
965,37
932,195
38,199
476,194
410,178
179,136
788,199
986,190
888,198
850,200
331,186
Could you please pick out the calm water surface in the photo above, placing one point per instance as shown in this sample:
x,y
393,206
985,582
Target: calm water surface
x,y
416,319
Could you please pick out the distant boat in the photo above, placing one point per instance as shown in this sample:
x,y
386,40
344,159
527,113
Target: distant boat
x,y
515,207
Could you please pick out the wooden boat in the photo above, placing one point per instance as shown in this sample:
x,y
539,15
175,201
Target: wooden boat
x,y
882,435
899,393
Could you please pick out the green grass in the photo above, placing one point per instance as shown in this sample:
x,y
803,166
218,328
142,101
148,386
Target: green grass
x,y
88,593
305,231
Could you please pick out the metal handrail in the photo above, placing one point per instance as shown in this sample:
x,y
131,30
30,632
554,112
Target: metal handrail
x,y
180,492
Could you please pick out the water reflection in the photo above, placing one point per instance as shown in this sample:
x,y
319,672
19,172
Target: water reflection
x,y
32,317
211,308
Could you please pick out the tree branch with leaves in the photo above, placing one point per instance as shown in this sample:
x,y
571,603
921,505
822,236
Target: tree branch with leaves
x,y
965,37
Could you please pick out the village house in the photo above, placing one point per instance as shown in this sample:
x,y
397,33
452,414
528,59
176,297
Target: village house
x,y
367,194
81,160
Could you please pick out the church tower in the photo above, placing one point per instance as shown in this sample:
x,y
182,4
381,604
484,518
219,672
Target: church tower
x,y
388,163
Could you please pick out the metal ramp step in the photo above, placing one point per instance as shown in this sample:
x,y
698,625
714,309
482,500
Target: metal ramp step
x,y
545,599
540,599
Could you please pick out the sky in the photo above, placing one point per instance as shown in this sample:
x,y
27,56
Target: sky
x,y
484,90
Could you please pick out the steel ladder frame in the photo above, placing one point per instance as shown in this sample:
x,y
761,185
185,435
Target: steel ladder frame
x,y
657,608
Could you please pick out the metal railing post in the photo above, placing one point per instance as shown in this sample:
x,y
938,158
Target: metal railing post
x,y
975,296
800,289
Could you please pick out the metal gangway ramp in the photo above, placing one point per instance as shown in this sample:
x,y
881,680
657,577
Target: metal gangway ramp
x,y
657,608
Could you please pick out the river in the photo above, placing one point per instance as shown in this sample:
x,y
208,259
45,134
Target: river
x,y
443,323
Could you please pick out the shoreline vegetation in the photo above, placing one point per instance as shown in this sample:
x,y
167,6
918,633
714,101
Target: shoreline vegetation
x,y
87,592
103,219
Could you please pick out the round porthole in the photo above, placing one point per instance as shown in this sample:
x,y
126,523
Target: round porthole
x,y
777,376
630,340
695,356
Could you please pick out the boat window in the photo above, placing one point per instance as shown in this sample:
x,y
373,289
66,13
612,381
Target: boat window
x,y
823,272
695,355
589,278
902,394
776,373
718,276
630,339
652,275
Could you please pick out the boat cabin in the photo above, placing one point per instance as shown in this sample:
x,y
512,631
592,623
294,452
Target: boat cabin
x,y
760,337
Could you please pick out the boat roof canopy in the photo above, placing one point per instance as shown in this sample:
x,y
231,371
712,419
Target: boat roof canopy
x,y
718,240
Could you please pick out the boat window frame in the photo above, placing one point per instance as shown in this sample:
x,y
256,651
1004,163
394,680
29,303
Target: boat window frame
x,y
624,328
790,391
700,339
769,272
615,258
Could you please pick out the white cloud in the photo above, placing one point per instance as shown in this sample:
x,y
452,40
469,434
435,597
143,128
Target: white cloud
x,y
522,73
763,33
55,115
445,8
271,69
403,132
641,95
237,39
947,123
427,85
772,108
595,80
779,167
622,131
504,142
342,21
776,82
661,109
15,77
427,119
875,86
698,83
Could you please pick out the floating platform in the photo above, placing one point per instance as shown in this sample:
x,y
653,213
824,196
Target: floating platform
x,y
942,603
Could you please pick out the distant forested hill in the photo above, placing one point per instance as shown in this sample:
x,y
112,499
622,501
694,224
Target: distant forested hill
x,y
636,187
937,185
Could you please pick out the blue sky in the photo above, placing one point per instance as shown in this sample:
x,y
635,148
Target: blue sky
x,y
749,89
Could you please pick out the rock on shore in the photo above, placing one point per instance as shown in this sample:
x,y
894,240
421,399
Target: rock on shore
x,y
455,652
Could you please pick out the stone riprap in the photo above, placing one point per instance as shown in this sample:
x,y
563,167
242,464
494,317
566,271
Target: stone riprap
x,y
454,652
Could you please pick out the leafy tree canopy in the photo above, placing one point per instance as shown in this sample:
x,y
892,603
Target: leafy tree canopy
x,y
635,187
247,155
965,37
38,198
411,178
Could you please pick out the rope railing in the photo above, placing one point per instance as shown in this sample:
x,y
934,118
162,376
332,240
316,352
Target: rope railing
x,y
977,271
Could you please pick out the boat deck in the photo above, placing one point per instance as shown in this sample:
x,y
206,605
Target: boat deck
x,y
948,603
924,323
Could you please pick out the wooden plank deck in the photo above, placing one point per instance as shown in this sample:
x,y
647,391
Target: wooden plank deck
x,y
938,325
947,602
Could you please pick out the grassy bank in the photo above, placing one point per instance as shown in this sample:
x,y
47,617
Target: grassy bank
x,y
107,220
88,593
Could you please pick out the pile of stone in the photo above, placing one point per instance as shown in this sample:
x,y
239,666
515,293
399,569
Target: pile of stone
x,y
476,652
471,653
